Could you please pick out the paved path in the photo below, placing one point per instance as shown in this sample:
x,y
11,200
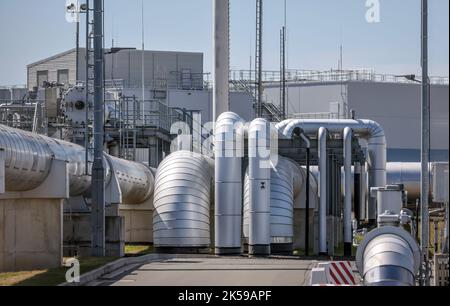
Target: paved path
x,y
236,271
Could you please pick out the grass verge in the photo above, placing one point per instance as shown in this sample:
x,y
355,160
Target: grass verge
x,y
50,277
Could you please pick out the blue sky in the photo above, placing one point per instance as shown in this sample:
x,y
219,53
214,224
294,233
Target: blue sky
x,y
32,30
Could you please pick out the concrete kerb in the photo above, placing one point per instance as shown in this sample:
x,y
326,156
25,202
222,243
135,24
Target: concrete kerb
x,y
123,263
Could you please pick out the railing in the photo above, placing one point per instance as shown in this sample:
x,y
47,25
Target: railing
x,y
331,76
21,115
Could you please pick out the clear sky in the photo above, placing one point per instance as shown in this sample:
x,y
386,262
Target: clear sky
x,y
32,30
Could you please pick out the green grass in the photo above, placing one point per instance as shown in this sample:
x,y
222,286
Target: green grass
x,y
138,250
50,277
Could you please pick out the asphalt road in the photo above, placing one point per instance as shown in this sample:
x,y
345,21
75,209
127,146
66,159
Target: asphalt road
x,y
236,271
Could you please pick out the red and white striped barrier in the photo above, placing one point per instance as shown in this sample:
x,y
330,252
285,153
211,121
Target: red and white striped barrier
x,y
341,273
337,273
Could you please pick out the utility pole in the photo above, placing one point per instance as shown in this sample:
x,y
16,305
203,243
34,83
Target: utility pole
x,y
425,179
283,72
258,57
98,171
77,60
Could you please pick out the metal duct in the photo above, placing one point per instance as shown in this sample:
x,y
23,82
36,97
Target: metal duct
x,y
229,150
407,174
323,160
388,256
29,157
136,181
367,129
182,201
285,186
259,172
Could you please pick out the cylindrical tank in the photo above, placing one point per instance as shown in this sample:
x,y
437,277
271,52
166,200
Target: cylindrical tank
x,y
182,200
388,256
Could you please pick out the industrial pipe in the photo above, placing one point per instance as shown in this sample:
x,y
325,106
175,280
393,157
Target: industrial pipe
x,y
286,183
388,256
28,160
259,178
367,129
323,157
348,135
229,151
182,201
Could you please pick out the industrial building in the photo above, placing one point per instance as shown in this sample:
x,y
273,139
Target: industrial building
x,y
123,146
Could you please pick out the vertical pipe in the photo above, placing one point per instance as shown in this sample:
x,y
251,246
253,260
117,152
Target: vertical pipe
x,y
348,134
364,191
436,237
307,195
221,57
425,181
357,192
323,190
259,176
98,173
259,55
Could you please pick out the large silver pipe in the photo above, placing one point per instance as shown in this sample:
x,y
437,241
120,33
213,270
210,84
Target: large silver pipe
x,y
286,184
221,56
182,201
323,156
348,135
29,157
229,151
259,172
388,256
366,129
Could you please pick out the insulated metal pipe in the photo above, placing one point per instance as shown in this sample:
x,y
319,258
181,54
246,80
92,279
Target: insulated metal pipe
x,y
367,129
182,201
348,135
259,177
229,151
286,184
29,157
388,256
323,156
221,57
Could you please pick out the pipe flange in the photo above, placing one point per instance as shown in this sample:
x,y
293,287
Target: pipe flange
x,y
387,230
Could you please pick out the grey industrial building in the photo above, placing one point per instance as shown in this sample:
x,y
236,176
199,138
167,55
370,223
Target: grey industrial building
x,y
179,79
